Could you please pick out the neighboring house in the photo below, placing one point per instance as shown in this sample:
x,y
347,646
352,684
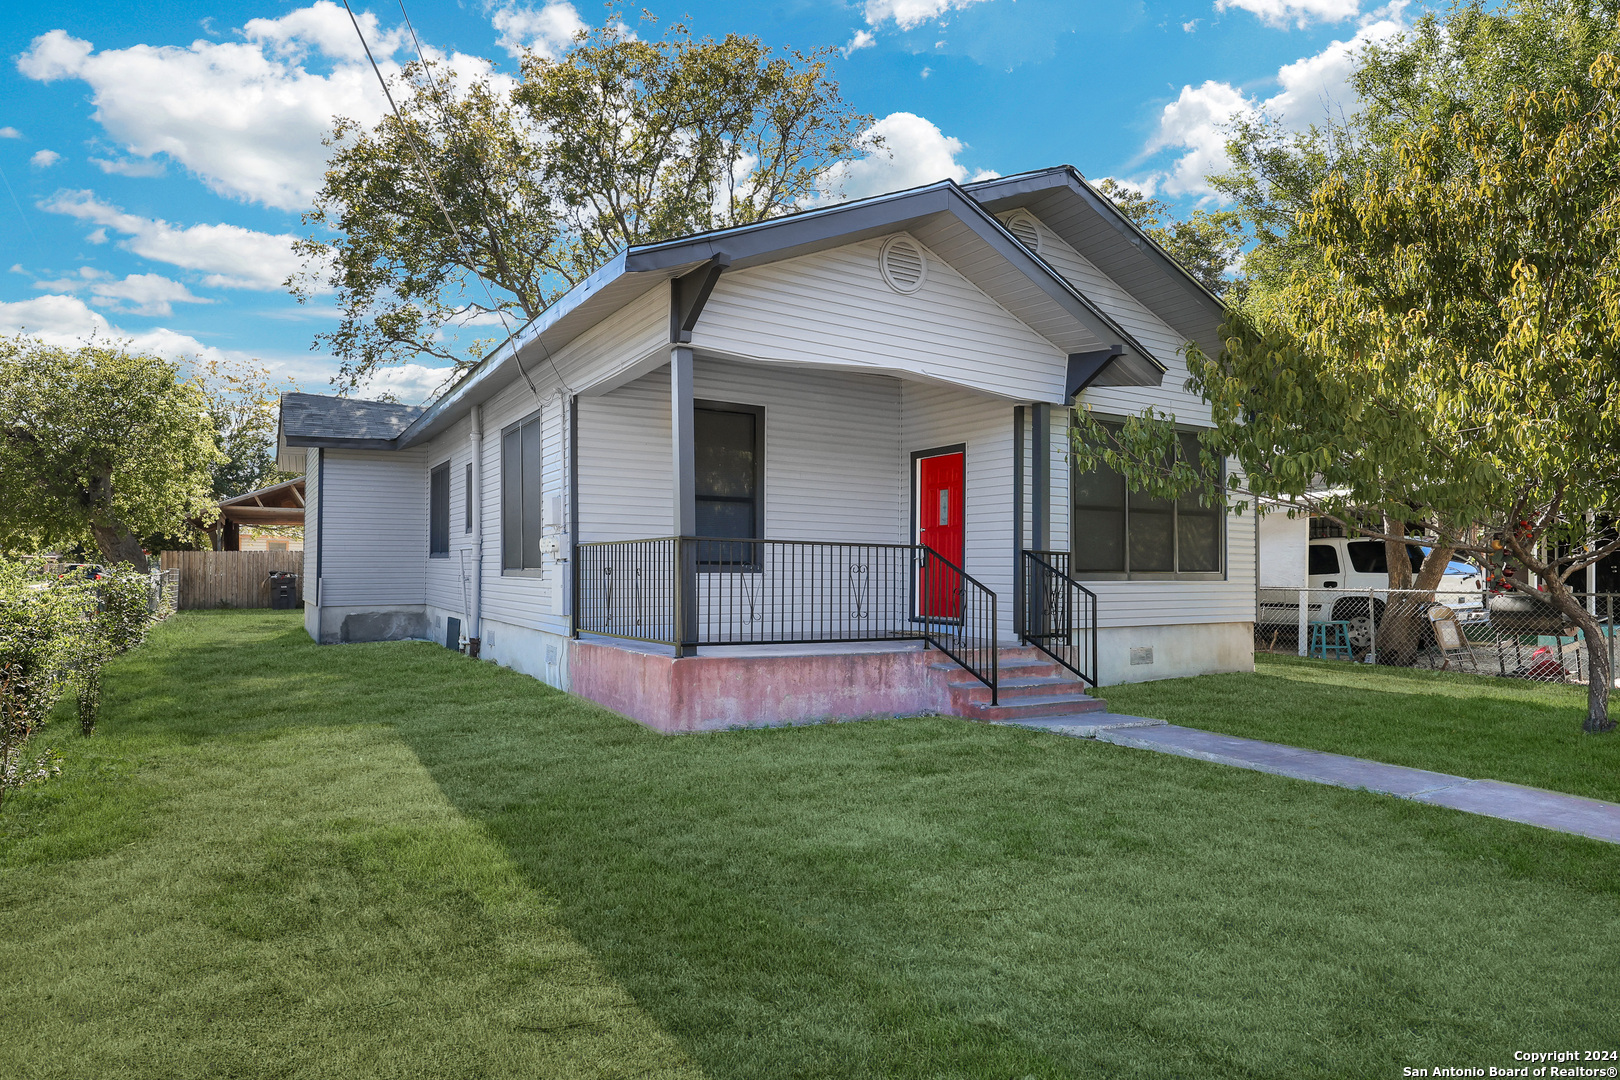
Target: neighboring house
x,y
267,519
870,403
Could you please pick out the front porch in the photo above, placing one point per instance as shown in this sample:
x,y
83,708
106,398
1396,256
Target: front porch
x,y
924,511
690,634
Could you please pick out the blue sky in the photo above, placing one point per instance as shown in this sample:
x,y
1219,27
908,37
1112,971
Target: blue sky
x,y
158,156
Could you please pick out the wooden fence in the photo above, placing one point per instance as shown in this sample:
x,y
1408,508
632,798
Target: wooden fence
x,y
237,579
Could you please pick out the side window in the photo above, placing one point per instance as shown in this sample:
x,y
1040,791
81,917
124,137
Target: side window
x,y
467,510
1323,560
729,458
439,510
1367,556
520,495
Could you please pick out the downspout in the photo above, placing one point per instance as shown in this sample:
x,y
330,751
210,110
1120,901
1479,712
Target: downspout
x,y
475,604
320,522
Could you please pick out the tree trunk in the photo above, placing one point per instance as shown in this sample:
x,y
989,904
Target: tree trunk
x,y
1405,626
118,545
1599,678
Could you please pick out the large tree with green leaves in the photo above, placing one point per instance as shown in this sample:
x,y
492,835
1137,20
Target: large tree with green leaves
x,y
1467,58
531,185
1454,368
99,445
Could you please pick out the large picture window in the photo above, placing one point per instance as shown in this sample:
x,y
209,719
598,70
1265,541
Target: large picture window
x,y
520,495
1118,532
439,511
729,460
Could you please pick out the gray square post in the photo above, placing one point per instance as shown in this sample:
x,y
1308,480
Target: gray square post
x,y
682,453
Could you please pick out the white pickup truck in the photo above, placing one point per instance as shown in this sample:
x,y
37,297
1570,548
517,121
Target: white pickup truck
x,y
1341,565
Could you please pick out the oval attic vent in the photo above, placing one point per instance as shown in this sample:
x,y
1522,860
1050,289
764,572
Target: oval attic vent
x,y
1022,226
903,265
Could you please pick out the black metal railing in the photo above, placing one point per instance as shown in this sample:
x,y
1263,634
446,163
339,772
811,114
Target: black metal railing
x,y
689,592
1058,614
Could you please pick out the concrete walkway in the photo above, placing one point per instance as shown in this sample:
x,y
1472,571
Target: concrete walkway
x,y
1491,798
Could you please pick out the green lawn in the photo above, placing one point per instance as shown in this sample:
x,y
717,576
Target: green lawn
x,y
278,860
1468,725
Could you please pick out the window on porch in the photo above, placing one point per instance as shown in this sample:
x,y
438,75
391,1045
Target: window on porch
x,y
1122,533
729,460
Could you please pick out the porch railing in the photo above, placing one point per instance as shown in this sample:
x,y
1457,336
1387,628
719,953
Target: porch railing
x,y
1058,614
688,592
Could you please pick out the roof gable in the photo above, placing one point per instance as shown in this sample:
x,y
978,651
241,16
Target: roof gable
x,y
1089,222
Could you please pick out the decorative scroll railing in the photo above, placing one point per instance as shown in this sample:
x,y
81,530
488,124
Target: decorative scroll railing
x,y
1058,614
690,592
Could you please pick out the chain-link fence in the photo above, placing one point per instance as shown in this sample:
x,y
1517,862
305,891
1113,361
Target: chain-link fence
x,y
1504,634
165,593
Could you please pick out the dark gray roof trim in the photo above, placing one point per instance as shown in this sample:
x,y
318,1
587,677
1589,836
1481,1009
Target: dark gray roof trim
x,y
1024,189
318,420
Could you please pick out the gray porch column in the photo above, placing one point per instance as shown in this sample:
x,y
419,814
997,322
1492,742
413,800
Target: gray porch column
x,y
1040,477
685,480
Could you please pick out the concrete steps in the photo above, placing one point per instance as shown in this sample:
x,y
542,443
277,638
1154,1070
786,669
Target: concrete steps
x,y
1032,686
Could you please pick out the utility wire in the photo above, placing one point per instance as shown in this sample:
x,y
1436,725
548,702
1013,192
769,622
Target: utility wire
x,y
433,188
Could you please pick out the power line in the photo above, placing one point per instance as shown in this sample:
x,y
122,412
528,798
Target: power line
x,y
433,188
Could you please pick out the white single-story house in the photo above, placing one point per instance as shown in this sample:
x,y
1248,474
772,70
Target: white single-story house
x,y
816,466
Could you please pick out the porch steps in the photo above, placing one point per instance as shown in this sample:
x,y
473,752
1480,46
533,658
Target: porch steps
x,y
1033,686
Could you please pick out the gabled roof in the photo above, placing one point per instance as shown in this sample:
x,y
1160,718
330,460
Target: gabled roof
x,y
318,420
957,223
1091,224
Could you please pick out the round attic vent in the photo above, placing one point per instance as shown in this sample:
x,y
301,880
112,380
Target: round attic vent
x,y
1022,226
904,267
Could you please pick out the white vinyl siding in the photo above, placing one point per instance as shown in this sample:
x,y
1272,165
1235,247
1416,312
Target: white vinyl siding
x,y
1158,338
833,308
312,504
832,453
375,521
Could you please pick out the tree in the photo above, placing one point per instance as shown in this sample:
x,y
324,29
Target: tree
x,y
1465,59
1207,243
99,443
621,141
243,405
1457,366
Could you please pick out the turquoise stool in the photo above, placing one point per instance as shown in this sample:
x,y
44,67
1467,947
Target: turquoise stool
x,y
1331,637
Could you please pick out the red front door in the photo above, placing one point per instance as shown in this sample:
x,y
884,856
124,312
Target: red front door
x,y
939,528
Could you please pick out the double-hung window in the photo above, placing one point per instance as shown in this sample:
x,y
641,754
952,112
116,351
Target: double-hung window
x,y
520,495
729,461
1117,532
439,511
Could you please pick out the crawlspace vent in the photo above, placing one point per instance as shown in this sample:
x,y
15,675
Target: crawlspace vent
x,y
904,266
1022,226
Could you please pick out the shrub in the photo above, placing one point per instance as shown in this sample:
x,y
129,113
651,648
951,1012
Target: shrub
x,y
55,633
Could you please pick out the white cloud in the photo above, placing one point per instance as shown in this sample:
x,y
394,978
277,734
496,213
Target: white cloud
x,y
915,152
1301,13
863,39
232,257
10,133
69,321
145,294
412,384
1309,90
44,159
546,31
1190,27
137,294
129,166
247,117
908,14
